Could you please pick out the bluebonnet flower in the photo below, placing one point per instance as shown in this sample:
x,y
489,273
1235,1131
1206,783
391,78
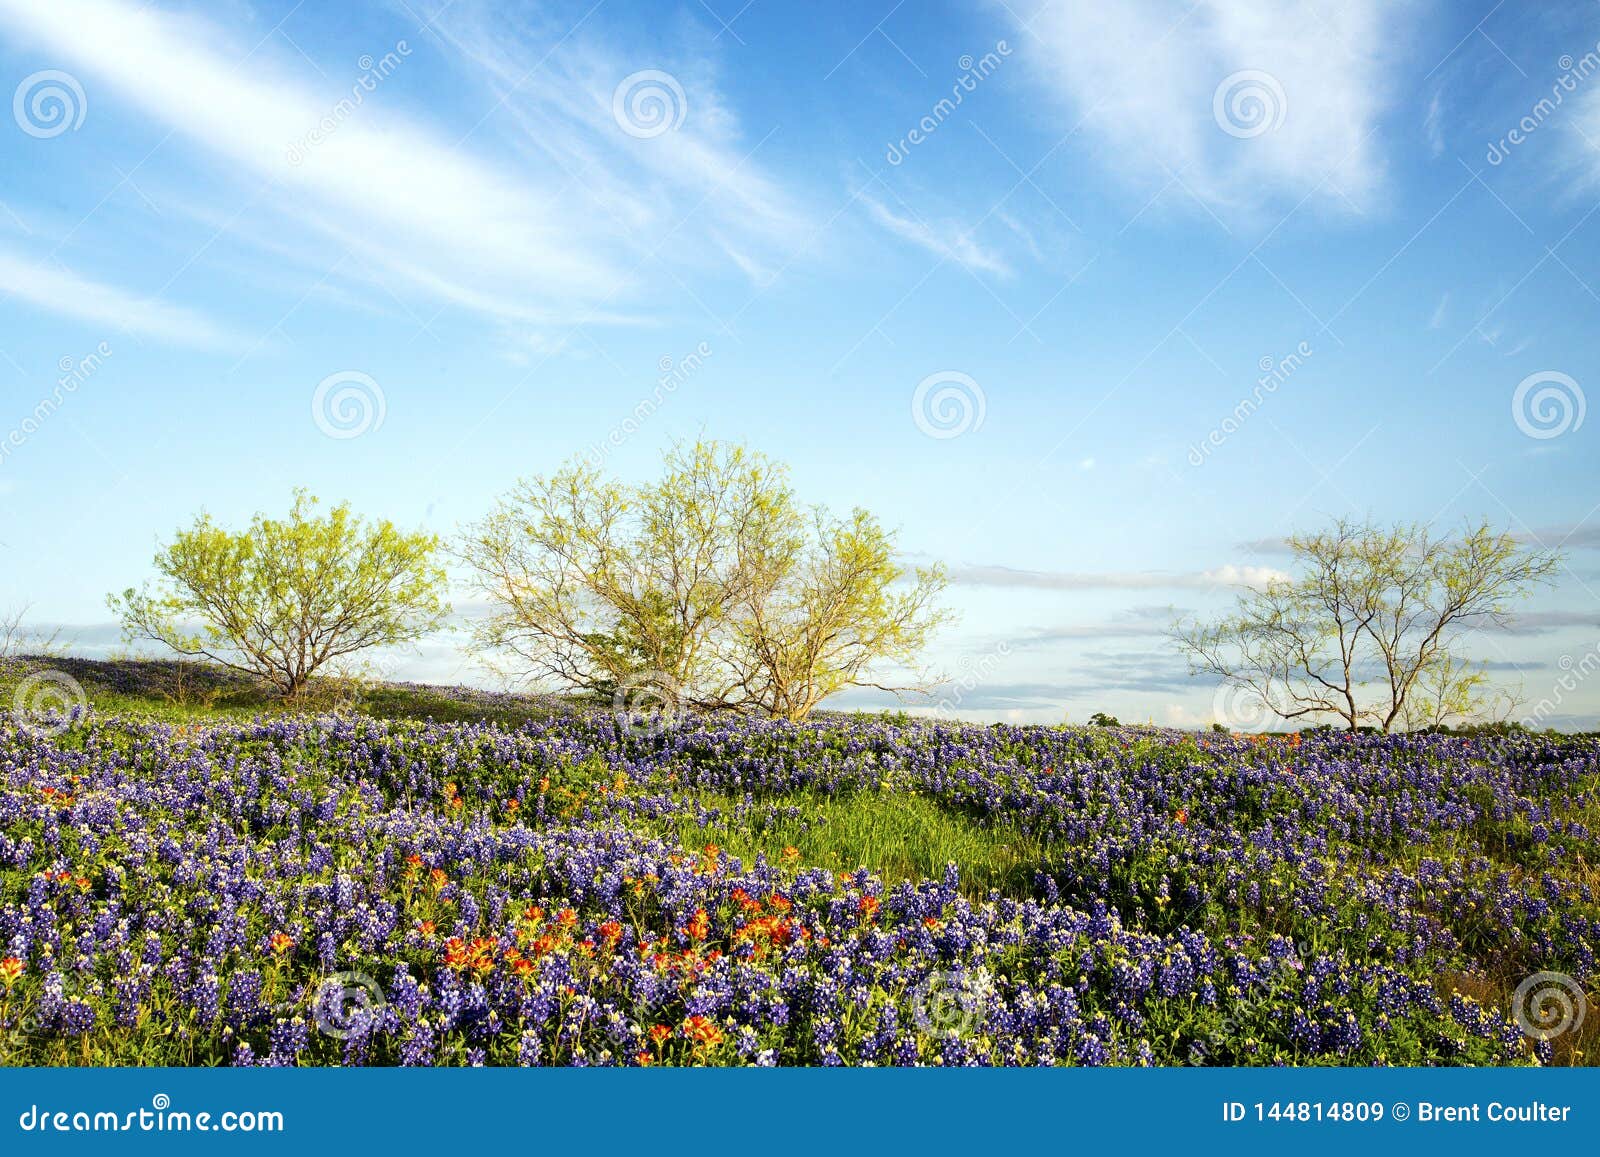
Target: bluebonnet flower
x,y
209,847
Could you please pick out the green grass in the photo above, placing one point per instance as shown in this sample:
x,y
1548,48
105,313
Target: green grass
x,y
895,835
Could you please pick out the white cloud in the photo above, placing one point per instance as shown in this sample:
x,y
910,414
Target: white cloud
x,y
1024,233
1583,138
535,213
397,180
1143,76
944,238
702,173
48,286
1241,576
1538,622
1180,716
1432,123
1004,576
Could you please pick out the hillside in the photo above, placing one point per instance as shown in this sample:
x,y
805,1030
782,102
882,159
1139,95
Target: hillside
x,y
190,876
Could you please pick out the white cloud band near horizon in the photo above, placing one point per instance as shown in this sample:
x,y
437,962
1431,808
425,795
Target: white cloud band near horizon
x,y
1218,577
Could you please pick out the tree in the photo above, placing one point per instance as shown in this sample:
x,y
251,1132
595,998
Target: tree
x,y
820,616
711,583
17,640
594,582
1370,630
288,597
1454,691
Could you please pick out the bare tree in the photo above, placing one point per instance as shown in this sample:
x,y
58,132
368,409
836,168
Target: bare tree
x,y
1452,690
1375,612
17,640
1295,645
1433,590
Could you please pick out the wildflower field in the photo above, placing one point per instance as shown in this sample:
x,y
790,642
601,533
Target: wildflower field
x,y
194,886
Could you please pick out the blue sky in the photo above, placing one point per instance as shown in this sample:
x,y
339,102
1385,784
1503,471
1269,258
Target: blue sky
x,y
1011,324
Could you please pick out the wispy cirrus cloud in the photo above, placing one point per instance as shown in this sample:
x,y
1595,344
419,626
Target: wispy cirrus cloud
x,y
429,212
48,286
537,207
1433,123
697,186
1146,78
945,239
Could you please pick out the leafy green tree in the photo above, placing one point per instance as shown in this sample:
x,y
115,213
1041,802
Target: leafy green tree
x,y
1371,628
594,582
824,611
289,596
711,582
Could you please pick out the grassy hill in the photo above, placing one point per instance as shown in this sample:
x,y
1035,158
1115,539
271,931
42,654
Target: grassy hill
x,y
182,691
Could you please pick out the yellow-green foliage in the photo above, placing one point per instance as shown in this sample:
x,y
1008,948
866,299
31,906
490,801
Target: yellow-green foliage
x,y
287,597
